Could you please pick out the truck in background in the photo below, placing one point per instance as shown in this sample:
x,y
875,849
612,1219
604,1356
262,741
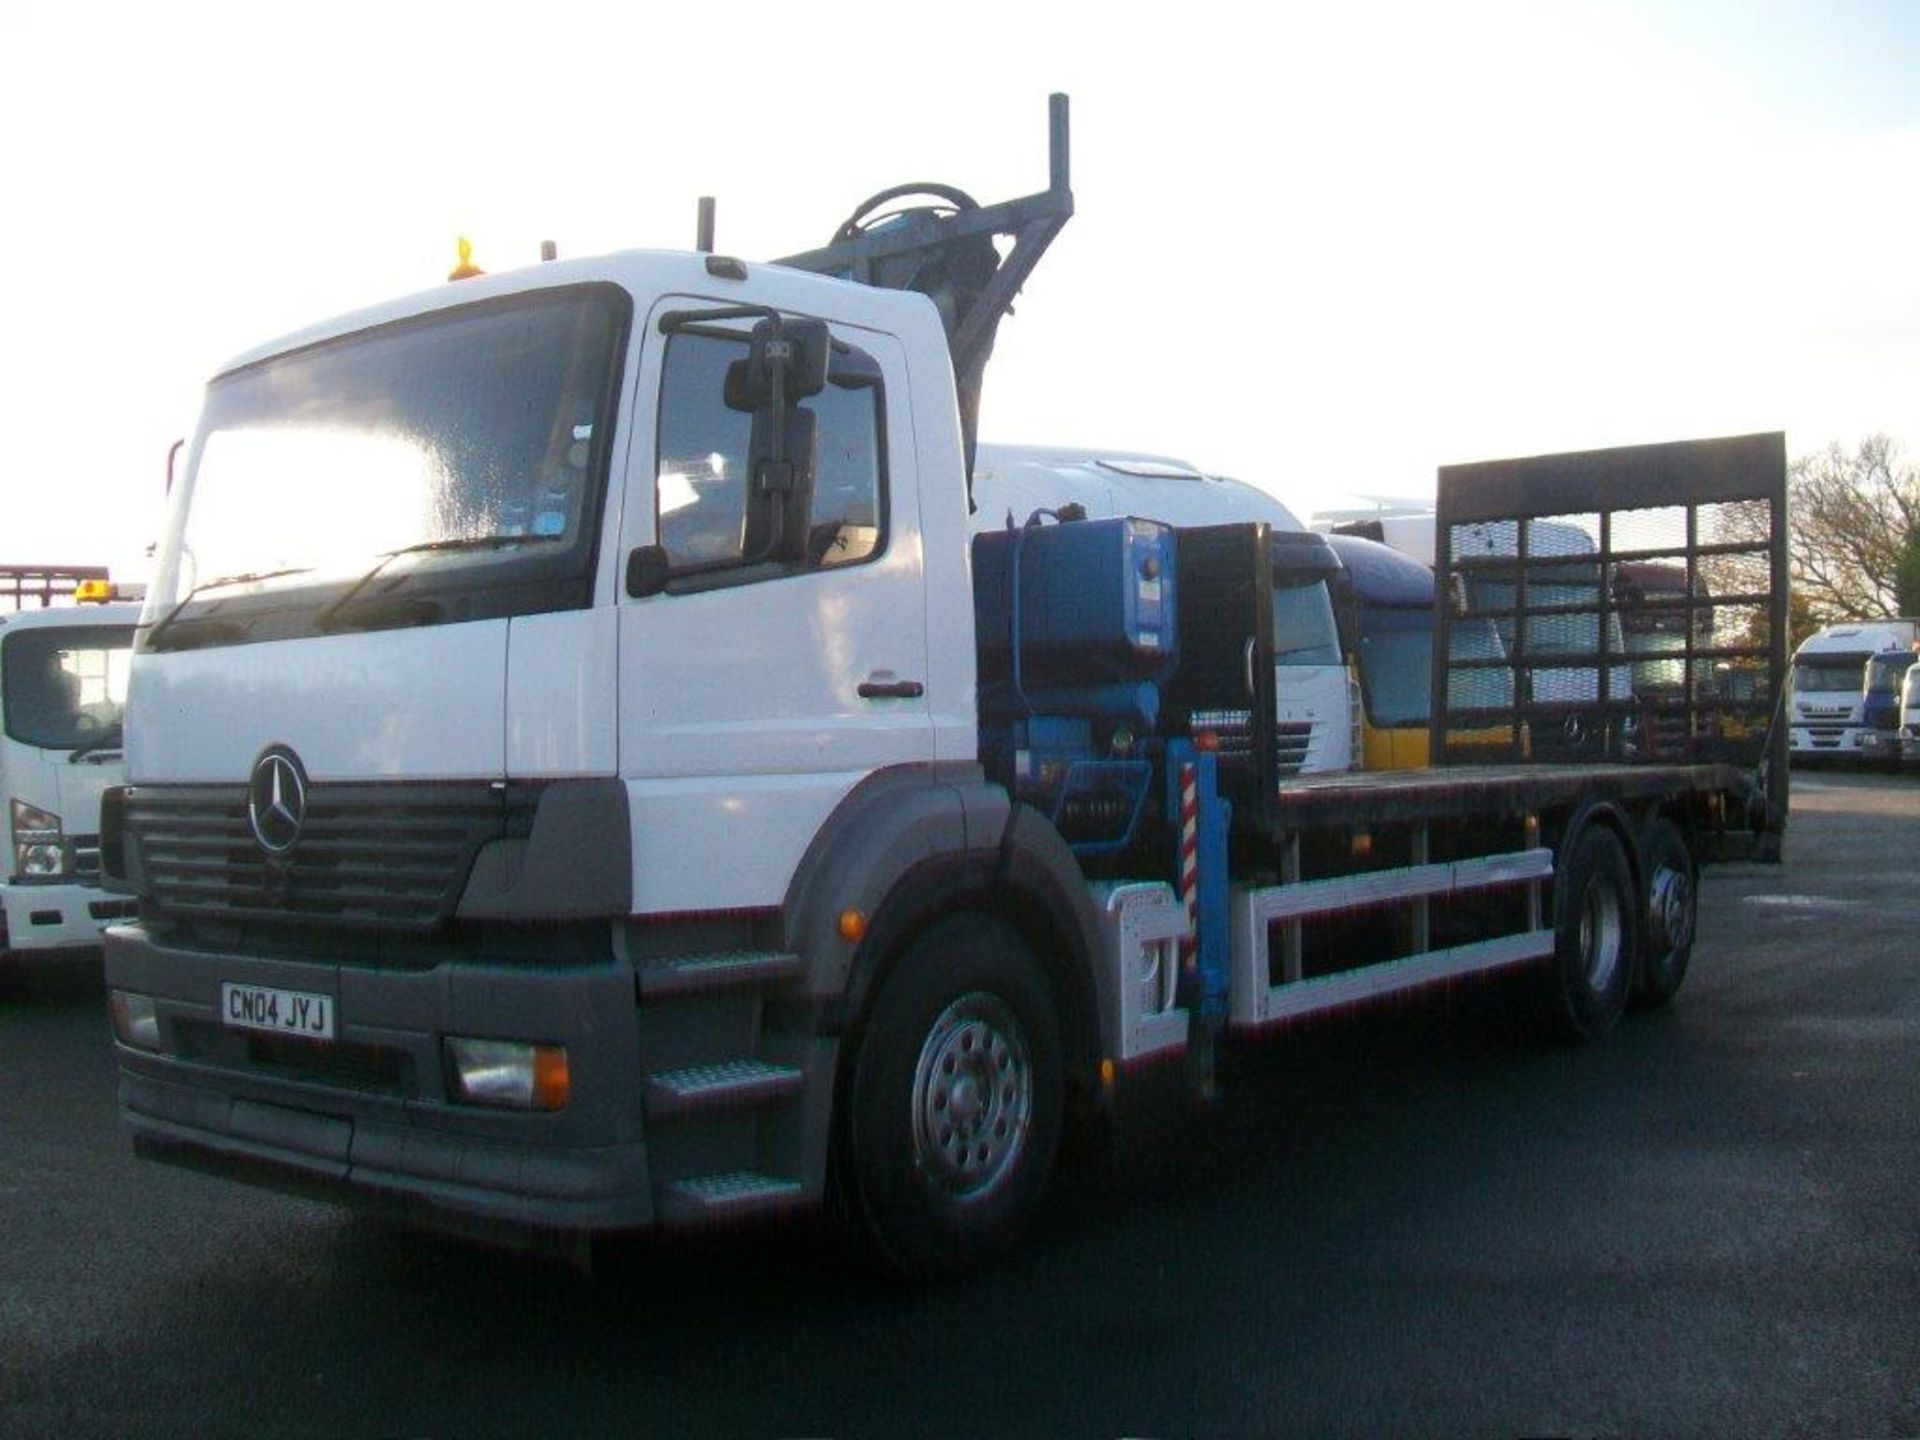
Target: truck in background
x,y
1385,602
1316,697
63,682
1880,709
743,825
1910,717
1827,716
26,587
1564,616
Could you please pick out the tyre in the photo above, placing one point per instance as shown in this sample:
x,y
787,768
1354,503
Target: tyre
x,y
1669,901
954,1112
1596,925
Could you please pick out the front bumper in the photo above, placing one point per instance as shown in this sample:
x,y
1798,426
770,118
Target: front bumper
x,y
1825,738
46,926
371,1113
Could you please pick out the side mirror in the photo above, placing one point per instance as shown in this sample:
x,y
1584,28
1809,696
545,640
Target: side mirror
x,y
784,457
787,362
785,358
648,567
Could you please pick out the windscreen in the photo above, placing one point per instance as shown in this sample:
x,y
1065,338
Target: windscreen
x,y
1303,628
1885,672
473,442
1396,666
65,688
1837,676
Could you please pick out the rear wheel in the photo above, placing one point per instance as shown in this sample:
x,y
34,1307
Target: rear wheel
x,y
954,1112
1595,925
1670,899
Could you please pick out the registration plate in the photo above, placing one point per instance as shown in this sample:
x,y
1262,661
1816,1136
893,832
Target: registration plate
x,y
283,1012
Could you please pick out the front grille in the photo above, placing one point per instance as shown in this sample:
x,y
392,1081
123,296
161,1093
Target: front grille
x,y
1290,743
1232,732
392,857
86,858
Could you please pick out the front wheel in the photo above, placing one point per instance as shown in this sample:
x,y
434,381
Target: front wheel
x,y
1595,925
954,1114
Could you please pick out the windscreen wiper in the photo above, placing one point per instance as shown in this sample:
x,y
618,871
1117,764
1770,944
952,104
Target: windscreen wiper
x,y
219,582
107,744
326,617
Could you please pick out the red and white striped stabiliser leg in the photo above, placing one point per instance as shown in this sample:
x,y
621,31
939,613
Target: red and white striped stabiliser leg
x,y
1190,858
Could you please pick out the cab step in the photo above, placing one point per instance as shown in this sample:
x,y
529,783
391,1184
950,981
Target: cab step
x,y
732,1195
717,971
728,1085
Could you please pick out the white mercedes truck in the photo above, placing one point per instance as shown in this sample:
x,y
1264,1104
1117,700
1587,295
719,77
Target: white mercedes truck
x,y
585,774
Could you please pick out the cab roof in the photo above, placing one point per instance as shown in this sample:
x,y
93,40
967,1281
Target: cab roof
x,y
1381,575
68,616
1016,479
644,274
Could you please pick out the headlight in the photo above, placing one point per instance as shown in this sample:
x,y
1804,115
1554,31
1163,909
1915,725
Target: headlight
x,y
136,1019
39,848
509,1073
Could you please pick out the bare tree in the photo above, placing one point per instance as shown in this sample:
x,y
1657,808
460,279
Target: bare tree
x,y
1856,529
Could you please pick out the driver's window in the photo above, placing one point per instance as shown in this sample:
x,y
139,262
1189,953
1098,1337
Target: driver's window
x,y
701,468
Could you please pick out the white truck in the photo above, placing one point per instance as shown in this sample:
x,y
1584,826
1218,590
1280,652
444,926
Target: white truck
x,y
1828,714
1910,717
63,678
584,773
1317,700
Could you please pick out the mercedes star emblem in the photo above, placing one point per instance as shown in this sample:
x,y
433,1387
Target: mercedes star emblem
x,y
277,801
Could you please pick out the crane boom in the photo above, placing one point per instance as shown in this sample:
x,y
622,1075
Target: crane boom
x,y
945,250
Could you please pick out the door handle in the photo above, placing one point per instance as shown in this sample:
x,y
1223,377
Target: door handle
x,y
891,690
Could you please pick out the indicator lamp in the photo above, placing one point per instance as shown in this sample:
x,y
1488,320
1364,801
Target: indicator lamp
x,y
466,269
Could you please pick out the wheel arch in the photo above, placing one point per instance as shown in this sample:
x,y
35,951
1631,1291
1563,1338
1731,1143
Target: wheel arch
x,y
909,847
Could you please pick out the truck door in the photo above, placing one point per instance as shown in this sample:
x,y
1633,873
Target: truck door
x,y
754,694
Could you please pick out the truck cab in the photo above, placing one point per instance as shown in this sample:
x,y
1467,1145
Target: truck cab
x,y
554,686
1880,706
63,683
1385,602
1557,613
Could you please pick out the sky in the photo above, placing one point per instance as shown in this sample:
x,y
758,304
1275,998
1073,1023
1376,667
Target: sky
x,y
1324,248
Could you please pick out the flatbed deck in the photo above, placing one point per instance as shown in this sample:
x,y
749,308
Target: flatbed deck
x,y
1475,792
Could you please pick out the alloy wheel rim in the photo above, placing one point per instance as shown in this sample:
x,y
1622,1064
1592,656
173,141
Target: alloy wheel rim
x,y
1670,907
1600,933
972,1097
